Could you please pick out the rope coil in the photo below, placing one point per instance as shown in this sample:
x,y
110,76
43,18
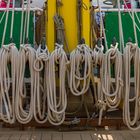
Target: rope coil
x,y
82,54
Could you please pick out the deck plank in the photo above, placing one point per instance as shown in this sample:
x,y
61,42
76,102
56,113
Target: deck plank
x,y
103,136
81,135
57,136
26,136
86,136
135,134
46,136
36,136
126,135
70,136
96,136
15,137
116,136
5,137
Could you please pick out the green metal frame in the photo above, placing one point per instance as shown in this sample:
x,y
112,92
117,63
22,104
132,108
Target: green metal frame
x,y
17,27
112,26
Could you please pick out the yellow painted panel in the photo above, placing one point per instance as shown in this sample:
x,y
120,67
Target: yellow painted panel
x,y
68,12
86,21
50,30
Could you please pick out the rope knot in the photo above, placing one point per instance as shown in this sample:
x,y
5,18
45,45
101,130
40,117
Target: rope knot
x,y
99,49
59,49
101,104
80,48
97,54
42,54
57,46
132,46
114,48
8,47
24,46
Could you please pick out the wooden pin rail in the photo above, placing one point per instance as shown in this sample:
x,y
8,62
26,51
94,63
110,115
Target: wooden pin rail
x,y
83,124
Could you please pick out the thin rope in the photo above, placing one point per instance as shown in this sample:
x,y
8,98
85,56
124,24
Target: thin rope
x,y
135,31
6,21
28,20
2,17
131,16
102,24
12,20
25,24
120,27
22,21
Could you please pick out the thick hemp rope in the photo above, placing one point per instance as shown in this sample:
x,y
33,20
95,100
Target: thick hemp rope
x,y
8,57
41,67
132,55
112,57
109,96
57,99
80,69
23,107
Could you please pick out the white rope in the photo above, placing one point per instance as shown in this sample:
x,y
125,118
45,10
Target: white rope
x,y
6,22
40,92
108,97
24,110
25,22
133,20
102,26
80,56
121,35
98,55
57,100
8,55
112,56
22,24
12,20
28,19
2,17
131,16
132,52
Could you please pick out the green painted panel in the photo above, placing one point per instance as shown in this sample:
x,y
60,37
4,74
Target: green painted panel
x,y
112,26
17,27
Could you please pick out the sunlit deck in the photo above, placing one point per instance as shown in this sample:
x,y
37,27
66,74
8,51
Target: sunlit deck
x,y
8,134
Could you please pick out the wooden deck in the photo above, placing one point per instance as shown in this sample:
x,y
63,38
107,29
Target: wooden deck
x,y
81,135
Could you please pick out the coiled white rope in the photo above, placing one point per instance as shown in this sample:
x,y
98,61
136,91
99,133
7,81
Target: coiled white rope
x,y
98,55
108,97
112,56
80,60
24,110
132,54
8,57
41,80
57,100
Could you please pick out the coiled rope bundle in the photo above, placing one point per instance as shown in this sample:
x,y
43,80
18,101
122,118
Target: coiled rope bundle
x,y
112,57
24,108
98,55
8,61
132,56
41,67
80,69
109,96
57,99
